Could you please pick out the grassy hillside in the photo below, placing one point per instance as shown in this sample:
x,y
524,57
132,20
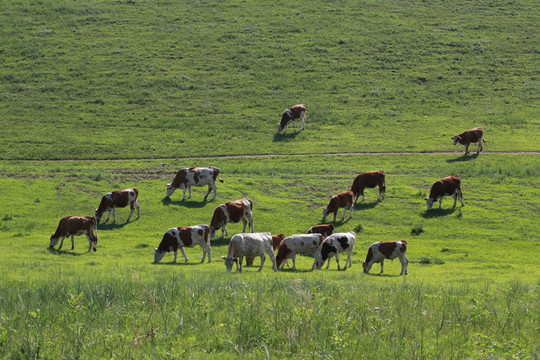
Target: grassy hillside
x,y
137,79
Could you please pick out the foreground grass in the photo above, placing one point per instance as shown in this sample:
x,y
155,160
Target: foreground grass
x,y
193,314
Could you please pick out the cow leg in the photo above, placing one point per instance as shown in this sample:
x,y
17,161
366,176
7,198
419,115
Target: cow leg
x,y
138,209
184,253
114,214
206,249
244,221
108,216
175,254
189,188
467,149
460,194
356,198
293,257
440,202
263,259
294,127
214,188
130,213
89,242
273,259
73,242
208,192
350,209
382,266
328,263
240,260
184,188
337,260
349,254
61,242
335,214
303,121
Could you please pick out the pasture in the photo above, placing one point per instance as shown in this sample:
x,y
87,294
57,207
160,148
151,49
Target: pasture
x,y
107,95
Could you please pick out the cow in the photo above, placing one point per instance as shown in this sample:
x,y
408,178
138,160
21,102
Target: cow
x,y
195,176
324,229
249,244
181,237
470,136
341,200
289,115
76,225
450,185
336,243
300,244
233,211
379,251
276,240
118,199
368,179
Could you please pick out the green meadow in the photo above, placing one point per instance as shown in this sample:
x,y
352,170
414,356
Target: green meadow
x,y
107,95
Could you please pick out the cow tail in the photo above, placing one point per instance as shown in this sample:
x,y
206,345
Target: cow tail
x,y
93,230
207,235
221,180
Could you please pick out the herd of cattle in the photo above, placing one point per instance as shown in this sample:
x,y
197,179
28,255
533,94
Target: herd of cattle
x,y
320,241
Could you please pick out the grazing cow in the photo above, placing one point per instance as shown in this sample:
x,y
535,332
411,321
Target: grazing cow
x,y
379,251
182,237
470,136
276,240
249,244
341,200
368,179
76,225
324,229
195,176
335,244
300,244
289,115
233,211
118,199
450,185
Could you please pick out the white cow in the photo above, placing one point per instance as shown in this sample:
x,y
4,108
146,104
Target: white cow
x,y
300,244
249,244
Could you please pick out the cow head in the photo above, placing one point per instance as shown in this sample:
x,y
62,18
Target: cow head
x,y
279,128
54,240
98,215
456,138
324,213
429,202
170,190
229,263
158,255
366,266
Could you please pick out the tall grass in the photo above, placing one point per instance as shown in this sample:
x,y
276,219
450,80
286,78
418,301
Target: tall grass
x,y
188,315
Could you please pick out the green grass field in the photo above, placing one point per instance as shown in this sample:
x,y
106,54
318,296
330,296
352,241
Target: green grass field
x,y
108,95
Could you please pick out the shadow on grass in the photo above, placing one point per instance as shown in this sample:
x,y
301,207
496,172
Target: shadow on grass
x,y
112,226
284,137
64,252
463,158
180,263
383,275
220,242
365,206
435,213
337,223
190,204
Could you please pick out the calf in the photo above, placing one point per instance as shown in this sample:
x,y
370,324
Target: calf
x,y
195,176
181,237
276,240
233,211
336,243
324,229
379,251
470,136
289,115
76,225
341,200
368,179
450,185
251,244
300,244
122,198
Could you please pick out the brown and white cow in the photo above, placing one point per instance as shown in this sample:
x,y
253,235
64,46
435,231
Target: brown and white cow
x,y
336,243
76,225
291,114
379,251
276,240
368,179
324,229
249,244
181,237
470,136
233,211
303,244
450,185
118,199
339,201
195,176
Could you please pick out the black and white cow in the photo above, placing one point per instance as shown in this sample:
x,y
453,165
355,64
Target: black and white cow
x,y
336,243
